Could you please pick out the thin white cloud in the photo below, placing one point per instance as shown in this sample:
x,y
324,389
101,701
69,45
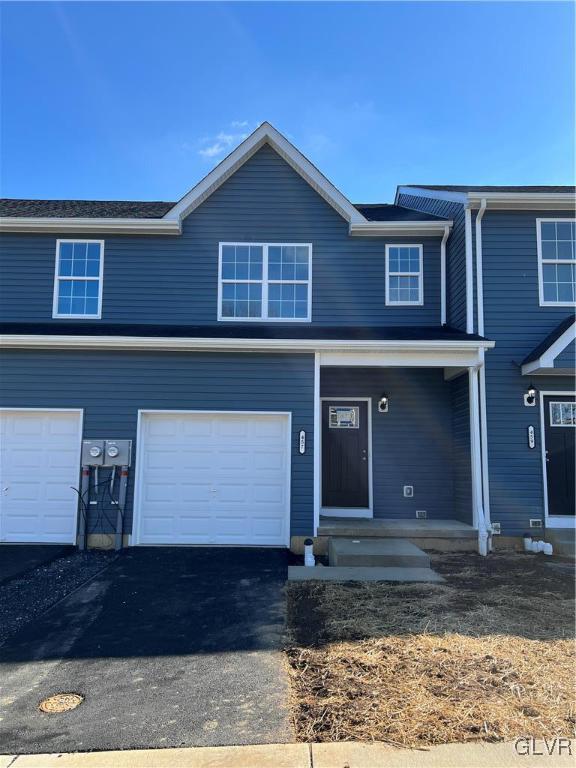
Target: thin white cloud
x,y
224,140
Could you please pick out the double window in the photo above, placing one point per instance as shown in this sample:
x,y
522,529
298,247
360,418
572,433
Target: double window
x,y
264,281
404,275
78,279
557,261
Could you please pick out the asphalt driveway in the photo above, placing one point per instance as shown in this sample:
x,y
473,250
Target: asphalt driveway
x,y
169,646
18,559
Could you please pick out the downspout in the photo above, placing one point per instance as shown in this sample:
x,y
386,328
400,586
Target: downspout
x,y
443,276
469,271
482,376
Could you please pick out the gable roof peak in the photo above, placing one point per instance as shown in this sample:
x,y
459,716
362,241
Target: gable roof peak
x,y
265,133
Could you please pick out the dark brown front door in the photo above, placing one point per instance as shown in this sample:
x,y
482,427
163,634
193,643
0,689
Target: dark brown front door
x,y
560,433
345,454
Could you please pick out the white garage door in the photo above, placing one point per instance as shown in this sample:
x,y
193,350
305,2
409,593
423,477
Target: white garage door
x,y
213,478
39,465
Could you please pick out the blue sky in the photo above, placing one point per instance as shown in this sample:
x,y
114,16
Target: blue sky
x,y
140,100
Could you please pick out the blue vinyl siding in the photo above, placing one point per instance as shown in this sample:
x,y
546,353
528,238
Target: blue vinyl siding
x,y
174,279
455,253
112,386
516,321
566,358
413,444
461,456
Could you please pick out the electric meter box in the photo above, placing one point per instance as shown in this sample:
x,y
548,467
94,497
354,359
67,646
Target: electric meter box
x,y
117,453
92,453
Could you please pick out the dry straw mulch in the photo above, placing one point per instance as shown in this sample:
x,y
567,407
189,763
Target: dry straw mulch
x,y
488,655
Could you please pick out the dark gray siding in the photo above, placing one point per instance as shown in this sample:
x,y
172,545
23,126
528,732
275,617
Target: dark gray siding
x,y
455,253
174,279
412,443
461,456
112,386
514,319
566,358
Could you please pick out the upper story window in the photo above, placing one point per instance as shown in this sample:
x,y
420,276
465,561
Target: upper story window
x,y
404,280
557,261
260,281
78,279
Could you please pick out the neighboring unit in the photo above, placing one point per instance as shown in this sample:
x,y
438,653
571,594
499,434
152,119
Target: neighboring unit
x,y
287,364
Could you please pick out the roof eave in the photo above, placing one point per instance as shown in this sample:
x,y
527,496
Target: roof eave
x,y
400,228
90,225
553,201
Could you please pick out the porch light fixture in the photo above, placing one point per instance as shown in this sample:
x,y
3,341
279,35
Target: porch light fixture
x,y
383,404
530,396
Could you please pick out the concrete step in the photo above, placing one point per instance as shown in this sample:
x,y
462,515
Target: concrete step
x,y
376,553
320,573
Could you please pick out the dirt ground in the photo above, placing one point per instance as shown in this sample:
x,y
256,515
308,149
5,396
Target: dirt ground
x,y
489,654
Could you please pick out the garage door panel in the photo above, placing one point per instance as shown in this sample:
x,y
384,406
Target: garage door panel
x,y
39,468
219,472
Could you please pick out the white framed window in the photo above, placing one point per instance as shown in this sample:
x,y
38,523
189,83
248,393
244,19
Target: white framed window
x,y
78,279
562,414
556,240
265,281
404,275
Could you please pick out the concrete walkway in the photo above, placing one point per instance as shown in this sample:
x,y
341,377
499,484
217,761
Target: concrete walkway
x,y
341,755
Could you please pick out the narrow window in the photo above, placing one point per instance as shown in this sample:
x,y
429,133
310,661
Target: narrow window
x,y
78,280
404,275
557,261
261,281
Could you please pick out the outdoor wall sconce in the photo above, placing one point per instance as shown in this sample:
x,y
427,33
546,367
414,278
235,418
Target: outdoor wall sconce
x,y
530,396
383,404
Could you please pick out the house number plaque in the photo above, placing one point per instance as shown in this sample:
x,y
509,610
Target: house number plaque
x,y
302,442
531,438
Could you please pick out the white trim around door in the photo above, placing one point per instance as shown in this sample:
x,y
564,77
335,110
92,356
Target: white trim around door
x,y
135,538
342,511
551,521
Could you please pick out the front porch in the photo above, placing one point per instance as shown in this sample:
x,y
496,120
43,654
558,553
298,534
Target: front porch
x,y
399,450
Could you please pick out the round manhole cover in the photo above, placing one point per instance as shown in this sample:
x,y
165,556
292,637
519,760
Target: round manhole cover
x,y
61,702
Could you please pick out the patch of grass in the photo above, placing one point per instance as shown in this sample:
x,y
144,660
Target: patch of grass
x,y
487,655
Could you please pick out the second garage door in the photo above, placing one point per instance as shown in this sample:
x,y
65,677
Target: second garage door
x,y
213,478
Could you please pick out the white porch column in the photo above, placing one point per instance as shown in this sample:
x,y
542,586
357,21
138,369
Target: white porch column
x,y
476,461
317,427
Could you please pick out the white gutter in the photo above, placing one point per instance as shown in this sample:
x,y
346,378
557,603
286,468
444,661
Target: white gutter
x,y
526,200
479,275
90,225
443,275
168,343
469,271
399,228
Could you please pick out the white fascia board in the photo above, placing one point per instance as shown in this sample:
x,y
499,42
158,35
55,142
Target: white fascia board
x,y
89,225
524,200
545,363
276,345
400,228
434,194
265,134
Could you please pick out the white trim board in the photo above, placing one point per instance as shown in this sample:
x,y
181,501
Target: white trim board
x,y
168,343
365,512
546,359
551,521
135,536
